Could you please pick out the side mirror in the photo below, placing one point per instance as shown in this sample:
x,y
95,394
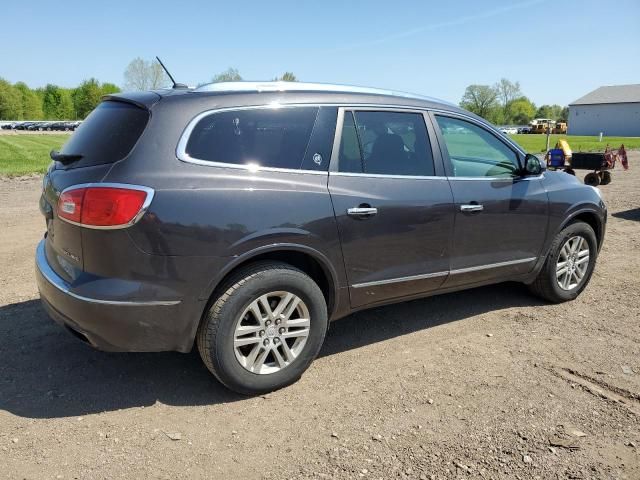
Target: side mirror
x,y
533,165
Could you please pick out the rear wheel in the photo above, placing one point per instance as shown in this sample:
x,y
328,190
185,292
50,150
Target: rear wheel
x,y
569,264
264,329
592,179
605,178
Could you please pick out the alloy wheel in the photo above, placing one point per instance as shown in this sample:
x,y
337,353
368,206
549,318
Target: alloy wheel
x,y
572,263
271,332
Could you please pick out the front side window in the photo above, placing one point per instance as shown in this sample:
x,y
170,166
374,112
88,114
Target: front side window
x,y
263,137
386,143
474,152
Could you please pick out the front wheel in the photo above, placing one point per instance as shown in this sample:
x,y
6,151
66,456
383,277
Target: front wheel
x,y
605,177
569,264
592,179
264,328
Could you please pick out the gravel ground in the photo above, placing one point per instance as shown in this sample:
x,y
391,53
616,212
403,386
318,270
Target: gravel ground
x,y
487,383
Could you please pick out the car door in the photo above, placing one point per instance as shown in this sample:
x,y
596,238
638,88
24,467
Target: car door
x,y
392,204
501,216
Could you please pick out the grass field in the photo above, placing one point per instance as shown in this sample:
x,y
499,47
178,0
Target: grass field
x,y
538,143
25,154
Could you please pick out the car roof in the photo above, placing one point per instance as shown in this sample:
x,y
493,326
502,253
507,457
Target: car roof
x,y
254,93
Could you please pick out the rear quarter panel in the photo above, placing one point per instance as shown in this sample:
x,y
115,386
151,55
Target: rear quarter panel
x,y
220,214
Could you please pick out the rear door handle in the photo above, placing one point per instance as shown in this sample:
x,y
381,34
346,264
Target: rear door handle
x,y
362,211
471,208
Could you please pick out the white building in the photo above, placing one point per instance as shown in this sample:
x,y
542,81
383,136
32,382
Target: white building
x,y
612,110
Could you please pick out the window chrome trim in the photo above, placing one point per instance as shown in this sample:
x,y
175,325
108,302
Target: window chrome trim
x,y
411,278
493,265
334,167
181,149
56,281
493,179
145,206
382,175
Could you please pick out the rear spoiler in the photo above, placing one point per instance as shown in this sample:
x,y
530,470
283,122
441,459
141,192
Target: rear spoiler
x,y
144,100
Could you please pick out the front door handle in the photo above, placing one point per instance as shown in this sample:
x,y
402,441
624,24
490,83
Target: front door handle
x,y
362,211
474,207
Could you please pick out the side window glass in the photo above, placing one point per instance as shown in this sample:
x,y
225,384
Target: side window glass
x,y
265,137
349,158
394,143
474,152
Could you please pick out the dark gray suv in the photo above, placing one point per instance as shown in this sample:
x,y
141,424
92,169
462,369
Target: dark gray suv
x,y
245,217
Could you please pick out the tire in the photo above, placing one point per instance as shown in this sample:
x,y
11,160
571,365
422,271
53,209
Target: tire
x,y
605,178
592,179
546,285
230,308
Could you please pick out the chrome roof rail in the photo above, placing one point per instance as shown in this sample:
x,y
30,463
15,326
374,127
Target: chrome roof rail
x,y
306,87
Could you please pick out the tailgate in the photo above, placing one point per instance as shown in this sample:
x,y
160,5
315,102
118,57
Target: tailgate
x,y
106,136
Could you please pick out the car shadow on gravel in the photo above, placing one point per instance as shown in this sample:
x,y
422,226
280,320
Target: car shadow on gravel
x,y
383,323
46,373
631,214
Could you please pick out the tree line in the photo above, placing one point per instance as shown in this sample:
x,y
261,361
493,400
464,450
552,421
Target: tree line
x,y
19,102
504,104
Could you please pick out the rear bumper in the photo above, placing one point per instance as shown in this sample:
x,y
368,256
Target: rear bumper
x,y
109,317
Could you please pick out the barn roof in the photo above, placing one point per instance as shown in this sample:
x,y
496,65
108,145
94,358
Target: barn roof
x,y
611,94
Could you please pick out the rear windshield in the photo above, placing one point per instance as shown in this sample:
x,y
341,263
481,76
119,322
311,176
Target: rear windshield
x,y
265,137
108,134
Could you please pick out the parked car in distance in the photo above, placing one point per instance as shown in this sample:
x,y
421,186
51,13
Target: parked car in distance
x,y
242,218
508,130
524,129
36,126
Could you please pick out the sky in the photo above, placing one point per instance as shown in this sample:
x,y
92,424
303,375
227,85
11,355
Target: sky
x,y
558,50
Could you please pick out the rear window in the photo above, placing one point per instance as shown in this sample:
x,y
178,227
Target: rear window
x,y
266,137
108,134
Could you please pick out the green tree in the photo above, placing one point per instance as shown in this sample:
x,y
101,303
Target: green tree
x,y
109,88
507,92
480,99
86,97
286,77
31,102
521,111
10,101
57,103
564,115
229,75
554,112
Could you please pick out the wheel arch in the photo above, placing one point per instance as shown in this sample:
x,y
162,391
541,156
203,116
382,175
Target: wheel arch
x,y
307,259
591,218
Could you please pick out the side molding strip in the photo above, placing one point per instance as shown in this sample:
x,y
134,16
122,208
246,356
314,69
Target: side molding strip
x,y
442,274
492,265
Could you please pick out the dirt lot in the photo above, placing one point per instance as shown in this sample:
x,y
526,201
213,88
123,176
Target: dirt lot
x,y
466,385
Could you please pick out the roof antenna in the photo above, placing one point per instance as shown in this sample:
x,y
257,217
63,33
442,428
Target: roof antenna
x,y
175,84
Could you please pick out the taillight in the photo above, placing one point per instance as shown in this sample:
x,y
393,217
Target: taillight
x,y
98,206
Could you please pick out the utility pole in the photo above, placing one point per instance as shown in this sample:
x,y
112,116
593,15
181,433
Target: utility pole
x,y
548,133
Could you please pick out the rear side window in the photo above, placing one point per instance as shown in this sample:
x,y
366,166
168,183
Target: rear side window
x,y
385,143
267,137
108,134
